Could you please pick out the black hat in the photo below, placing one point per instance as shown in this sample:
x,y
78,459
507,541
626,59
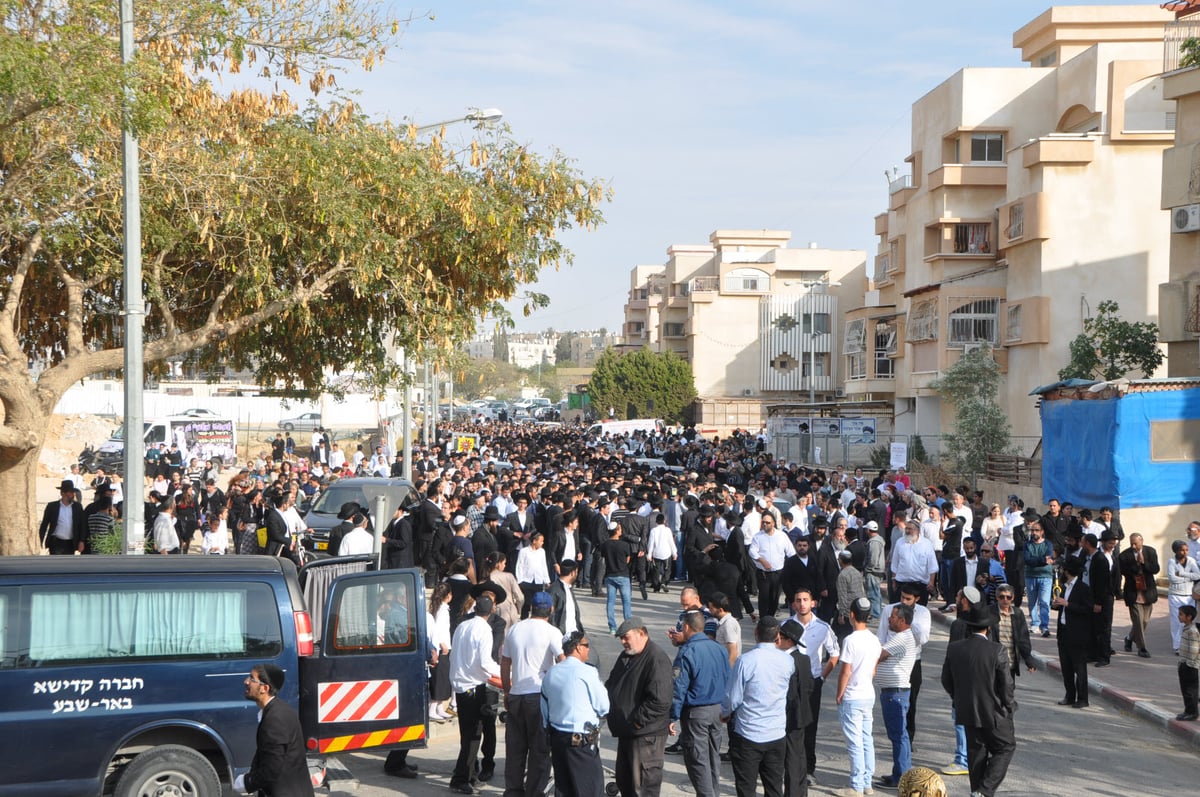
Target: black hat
x,y
348,510
492,587
707,511
491,513
274,675
67,484
792,630
1108,535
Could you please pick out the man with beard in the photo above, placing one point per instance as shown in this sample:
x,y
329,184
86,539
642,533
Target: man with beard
x,y
279,766
640,692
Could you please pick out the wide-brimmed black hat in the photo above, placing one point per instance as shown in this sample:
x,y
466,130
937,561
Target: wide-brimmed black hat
x,y
348,509
491,513
67,484
492,587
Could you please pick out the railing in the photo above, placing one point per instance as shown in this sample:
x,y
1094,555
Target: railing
x,y
898,184
1176,34
708,284
1014,470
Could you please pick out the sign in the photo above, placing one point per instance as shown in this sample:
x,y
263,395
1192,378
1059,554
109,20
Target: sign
x,y
791,426
899,456
358,701
858,430
464,443
831,427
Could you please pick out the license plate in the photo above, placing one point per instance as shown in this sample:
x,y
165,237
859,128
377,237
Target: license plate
x,y
322,546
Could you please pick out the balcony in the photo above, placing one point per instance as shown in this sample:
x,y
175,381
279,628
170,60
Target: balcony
x,y
898,183
639,304
704,289
958,174
1174,36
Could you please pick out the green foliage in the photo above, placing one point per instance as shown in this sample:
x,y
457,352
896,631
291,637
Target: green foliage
x,y
480,377
881,457
1110,348
916,450
562,349
1189,52
980,425
643,384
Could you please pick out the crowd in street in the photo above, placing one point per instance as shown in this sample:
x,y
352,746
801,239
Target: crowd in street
x,y
838,572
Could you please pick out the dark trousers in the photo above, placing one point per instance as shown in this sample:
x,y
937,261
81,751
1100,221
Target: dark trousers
x,y
660,573
1102,632
470,732
768,592
577,770
585,567
529,590
810,732
700,738
1014,574
754,761
639,766
795,765
526,749
60,547
910,719
1189,686
1073,660
989,751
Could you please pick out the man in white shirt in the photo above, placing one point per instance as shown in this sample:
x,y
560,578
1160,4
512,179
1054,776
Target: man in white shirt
x,y
856,698
379,463
530,649
913,562
660,550
471,667
337,457
769,549
358,540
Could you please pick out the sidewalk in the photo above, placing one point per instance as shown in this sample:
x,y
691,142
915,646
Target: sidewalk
x,y
1146,688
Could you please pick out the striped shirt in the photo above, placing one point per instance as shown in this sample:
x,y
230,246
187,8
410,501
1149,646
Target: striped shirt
x,y
894,671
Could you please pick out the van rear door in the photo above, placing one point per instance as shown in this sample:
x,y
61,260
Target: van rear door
x,y
366,685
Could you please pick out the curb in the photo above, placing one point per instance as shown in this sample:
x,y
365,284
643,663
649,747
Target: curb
x,y
1187,732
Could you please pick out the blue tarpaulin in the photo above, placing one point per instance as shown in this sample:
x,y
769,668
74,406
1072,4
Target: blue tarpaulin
x,y
1096,452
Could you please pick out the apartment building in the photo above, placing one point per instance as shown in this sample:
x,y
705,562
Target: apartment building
x,y
1030,196
756,320
1179,296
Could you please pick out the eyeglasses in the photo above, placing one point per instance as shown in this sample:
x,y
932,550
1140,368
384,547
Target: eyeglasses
x,y
583,645
1004,597
252,680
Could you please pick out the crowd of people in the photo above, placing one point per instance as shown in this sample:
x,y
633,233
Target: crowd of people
x,y
510,533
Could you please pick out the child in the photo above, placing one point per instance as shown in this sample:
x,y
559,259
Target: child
x,y
1189,663
661,549
216,536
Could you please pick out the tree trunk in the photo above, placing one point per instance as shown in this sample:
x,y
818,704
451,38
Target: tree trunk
x,y
18,504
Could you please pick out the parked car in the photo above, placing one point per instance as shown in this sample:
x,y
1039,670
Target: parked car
x,y
323,515
302,423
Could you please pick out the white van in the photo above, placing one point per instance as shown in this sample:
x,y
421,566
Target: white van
x,y
647,425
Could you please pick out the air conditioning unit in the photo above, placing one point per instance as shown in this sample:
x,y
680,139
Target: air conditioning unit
x,y
839,393
749,391
1185,218
970,347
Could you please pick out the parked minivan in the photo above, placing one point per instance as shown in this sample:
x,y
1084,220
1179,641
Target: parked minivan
x,y
124,675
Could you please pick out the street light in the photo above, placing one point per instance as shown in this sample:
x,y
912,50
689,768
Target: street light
x,y
478,117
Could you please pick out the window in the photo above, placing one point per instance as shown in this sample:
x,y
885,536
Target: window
x,y
854,346
784,362
375,614
813,366
146,621
747,279
987,147
816,324
856,366
1016,220
972,239
974,322
895,263
882,267
673,329
1014,323
885,345
923,321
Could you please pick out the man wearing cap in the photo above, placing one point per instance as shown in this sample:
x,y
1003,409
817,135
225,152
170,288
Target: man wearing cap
x,y
756,709
799,710
769,550
279,768
701,671
856,698
640,692
977,677
63,528
874,568
573,704
530,649
471,667
969,599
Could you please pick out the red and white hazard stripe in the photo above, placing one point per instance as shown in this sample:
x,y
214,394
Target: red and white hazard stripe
x,y
358,701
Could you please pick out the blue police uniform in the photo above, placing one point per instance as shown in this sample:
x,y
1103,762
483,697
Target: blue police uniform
x,y
573,702
701,674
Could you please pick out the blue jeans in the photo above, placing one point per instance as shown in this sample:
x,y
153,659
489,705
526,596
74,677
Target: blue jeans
x,y
611,585
857,718
960,742
680,571
1037,589
895,709
944,585
873,595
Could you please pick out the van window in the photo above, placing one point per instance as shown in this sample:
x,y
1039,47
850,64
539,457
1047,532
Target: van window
x,y
146,621
373,615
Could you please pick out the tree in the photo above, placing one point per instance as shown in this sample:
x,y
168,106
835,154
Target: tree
x,y
265,226
1189,52
980,425
562,349
1109,348
643,384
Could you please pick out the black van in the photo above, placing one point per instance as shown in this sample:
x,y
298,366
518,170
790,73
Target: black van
x,y
123,675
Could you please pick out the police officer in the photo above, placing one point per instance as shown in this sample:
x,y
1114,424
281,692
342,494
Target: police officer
x,y
701,671
573,704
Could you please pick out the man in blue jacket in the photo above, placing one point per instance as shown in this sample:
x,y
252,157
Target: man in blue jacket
x,y
701,672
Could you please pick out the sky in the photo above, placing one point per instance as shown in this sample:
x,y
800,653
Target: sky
x,y
698,115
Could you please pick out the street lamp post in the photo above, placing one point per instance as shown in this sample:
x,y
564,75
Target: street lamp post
x,y
478,117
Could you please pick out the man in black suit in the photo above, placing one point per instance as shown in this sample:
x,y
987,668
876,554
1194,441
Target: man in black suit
x,y
279,540
1099,580
279,768
517,528
799,709
426,521
64,526
977,677
1074,633
565,615
1139,566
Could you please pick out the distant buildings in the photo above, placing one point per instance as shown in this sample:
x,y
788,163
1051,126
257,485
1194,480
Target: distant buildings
x,y
528,349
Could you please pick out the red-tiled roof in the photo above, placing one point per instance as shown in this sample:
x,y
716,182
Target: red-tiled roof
x,y
1182,8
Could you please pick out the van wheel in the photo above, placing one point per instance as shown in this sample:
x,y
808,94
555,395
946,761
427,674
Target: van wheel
x,y
169,771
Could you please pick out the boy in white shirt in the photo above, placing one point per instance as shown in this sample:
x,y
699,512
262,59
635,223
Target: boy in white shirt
x,y
661,549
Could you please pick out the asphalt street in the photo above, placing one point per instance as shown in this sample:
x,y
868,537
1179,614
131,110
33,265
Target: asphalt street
x,y
1060,751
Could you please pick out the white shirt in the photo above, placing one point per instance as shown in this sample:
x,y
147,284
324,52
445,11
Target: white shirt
x,y
751,525
774,547
860,652
531,567
533,646
570,621
932,531
661,544
920,627
819,642
63,528
357,541
215,542
967,515
439,627
337,458
471,662
913,560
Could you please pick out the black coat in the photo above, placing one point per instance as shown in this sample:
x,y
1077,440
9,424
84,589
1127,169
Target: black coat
x,y
278,538
558,616
398,548
280,768
1131,569
799,707
976,676
1077,631
640,690
50,520
1021,638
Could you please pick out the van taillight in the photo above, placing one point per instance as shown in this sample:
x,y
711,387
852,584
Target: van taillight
x,y
304,634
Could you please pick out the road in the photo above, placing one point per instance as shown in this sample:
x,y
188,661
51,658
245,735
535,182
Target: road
x,y
1060,751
